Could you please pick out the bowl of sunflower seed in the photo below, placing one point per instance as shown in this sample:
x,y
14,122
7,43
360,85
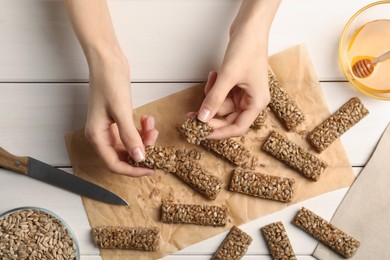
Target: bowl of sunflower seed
x,y
36,233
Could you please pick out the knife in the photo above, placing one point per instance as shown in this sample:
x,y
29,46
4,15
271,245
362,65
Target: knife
x,y
46,173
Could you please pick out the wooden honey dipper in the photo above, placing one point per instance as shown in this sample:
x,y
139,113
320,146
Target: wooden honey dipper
x,y
364,67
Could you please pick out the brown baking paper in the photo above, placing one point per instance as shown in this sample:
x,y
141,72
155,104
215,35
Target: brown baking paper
x,y
295,71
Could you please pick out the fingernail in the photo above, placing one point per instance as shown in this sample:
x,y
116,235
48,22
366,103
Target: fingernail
x,y
209,76
204,114
137,155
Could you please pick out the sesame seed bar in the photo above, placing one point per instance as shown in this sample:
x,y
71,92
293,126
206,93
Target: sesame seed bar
x,y
262,185
180,163
294,156
283,105
204,215
108,237
260,119
326,233
234,246
277,241
229,150
195,130
337,124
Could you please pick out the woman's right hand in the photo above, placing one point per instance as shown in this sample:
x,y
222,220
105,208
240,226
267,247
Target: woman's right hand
x,y
110,126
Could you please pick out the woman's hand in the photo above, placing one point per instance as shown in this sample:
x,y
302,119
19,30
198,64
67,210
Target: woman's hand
x,y
110,127
238,93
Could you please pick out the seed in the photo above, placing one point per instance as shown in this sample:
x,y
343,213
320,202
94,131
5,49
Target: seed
x,y
29,239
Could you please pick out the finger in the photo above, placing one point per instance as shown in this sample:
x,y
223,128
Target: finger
x,y
238,127
129,134
147,122
227,107
112,160
150,137
190,114
222,122
215,98
210,81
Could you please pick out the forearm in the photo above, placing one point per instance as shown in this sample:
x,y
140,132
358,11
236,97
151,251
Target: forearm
x,y
256,15
92,24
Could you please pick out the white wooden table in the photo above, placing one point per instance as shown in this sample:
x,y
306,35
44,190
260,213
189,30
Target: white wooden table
x,y
171,44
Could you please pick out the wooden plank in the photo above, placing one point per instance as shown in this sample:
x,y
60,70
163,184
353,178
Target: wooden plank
x,y
170,40
37,116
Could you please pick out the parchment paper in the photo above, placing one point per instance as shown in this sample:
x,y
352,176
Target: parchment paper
x,y
295,71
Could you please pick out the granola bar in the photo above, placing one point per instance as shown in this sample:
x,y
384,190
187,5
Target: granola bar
x,y
277,241
283,105
262,185
326,233
337,124
260,119
234,246
181,164
229,150
204,215
192,173
294,156
145,239
195,130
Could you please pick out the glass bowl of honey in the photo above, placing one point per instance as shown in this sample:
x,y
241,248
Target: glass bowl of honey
x,y
366,36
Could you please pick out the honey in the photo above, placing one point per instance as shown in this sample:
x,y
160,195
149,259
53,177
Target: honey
x,y
370,41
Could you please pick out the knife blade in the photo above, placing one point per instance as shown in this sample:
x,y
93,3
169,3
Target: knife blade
x,y
41,171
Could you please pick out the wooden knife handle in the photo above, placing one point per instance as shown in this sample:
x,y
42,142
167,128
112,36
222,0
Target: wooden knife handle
x,y
14,163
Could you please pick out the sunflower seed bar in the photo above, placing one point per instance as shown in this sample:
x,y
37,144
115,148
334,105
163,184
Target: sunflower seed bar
x,y
326,233
195,130
262,185
294,156
337,124
204,215
260,119
179,163
159,157
234,246
145,239
277,241
192,173
229,150
283,105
